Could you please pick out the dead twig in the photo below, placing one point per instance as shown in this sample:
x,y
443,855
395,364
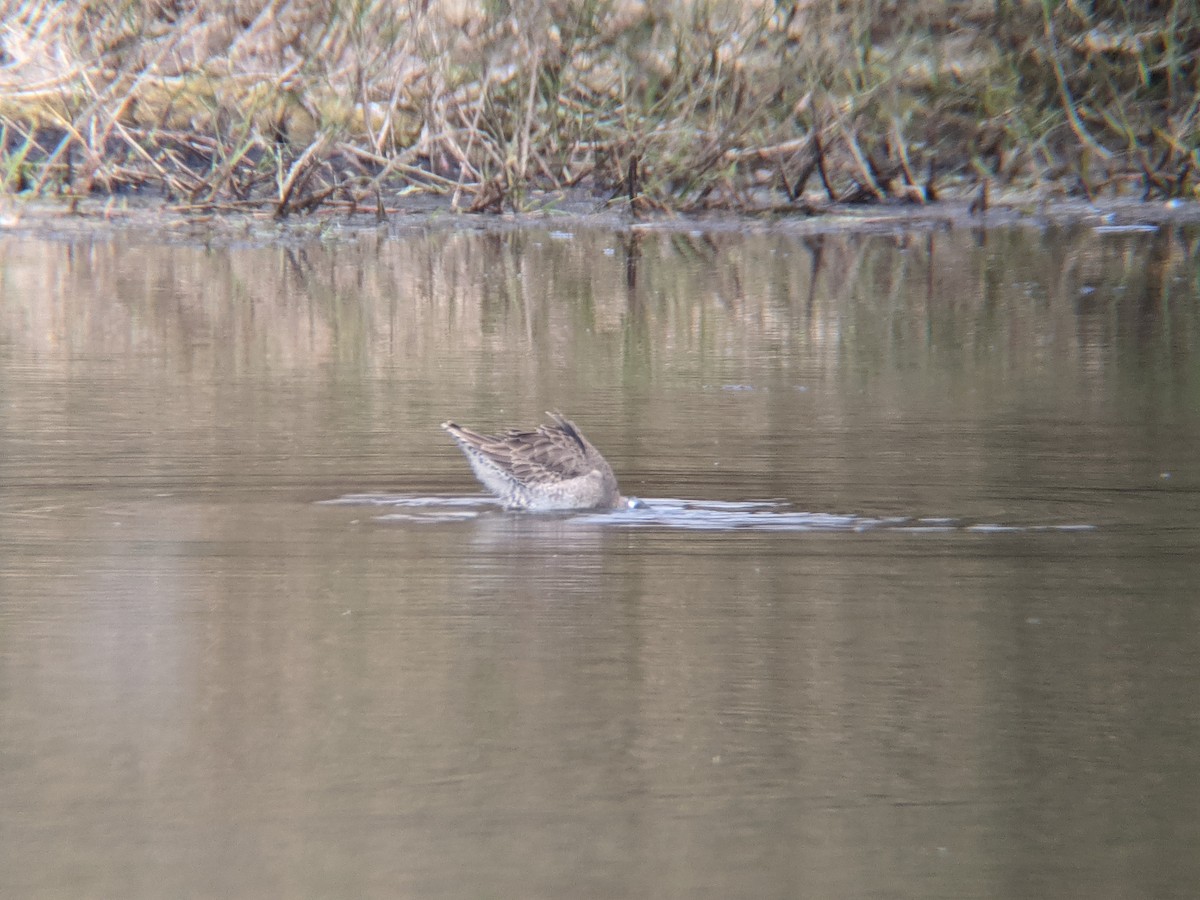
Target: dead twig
x,y
297,169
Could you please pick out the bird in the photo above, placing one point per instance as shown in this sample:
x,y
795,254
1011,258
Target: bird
x,y
551,467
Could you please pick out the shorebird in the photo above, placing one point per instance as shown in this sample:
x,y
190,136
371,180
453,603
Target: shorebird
x,y
550,467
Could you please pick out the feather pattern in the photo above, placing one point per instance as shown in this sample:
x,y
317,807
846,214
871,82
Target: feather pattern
x,y
549,467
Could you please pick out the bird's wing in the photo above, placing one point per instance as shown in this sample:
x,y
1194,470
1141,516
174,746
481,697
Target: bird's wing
x,y
549,453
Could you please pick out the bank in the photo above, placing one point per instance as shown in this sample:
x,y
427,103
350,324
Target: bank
x,y
642,110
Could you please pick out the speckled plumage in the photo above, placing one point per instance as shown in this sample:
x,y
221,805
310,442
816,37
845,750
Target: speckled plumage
x,y
550,467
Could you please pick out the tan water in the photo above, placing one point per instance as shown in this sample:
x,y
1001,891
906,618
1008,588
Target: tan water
x,y
911,611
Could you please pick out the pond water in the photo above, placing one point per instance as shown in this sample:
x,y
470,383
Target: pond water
x,y
911,609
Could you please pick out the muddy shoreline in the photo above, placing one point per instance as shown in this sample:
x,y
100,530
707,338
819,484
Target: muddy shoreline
x,y
152,220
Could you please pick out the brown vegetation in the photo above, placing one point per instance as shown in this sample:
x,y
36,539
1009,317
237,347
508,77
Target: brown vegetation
x,y
294,105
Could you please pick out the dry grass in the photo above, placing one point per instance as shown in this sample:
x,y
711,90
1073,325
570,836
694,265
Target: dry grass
x,y
293,105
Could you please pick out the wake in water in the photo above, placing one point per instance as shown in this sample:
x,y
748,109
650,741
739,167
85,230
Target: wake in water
x,y
696,515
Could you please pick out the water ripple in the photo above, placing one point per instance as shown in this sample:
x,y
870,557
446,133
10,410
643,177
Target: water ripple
x,y
694,515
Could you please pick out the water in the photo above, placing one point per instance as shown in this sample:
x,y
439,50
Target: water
x,y
911,609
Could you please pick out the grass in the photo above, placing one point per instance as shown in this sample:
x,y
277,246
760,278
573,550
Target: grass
x,y
292,107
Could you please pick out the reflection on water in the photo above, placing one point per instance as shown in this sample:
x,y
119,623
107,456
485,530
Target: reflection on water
x,y
926,627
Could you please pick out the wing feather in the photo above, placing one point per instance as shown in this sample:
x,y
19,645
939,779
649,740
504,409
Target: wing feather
x,y
549,453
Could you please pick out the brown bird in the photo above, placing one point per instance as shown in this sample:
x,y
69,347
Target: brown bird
x,y
550,467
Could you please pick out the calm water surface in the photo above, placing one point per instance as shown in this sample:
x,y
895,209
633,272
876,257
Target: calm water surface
x,y
912,612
